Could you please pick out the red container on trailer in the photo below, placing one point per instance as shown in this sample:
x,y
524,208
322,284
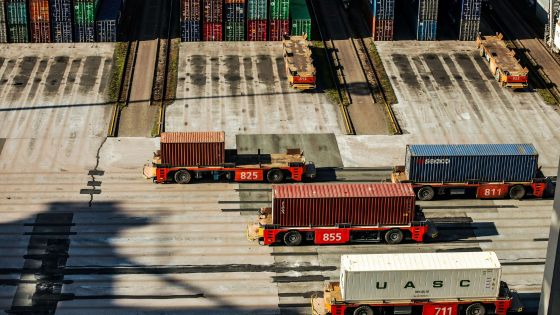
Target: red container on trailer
x,y
278,28
256,30
383,30
332,204
192,148
212,32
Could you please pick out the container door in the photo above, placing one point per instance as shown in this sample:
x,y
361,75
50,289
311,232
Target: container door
x,y
440,309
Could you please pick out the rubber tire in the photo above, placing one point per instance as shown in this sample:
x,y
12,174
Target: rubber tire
x,y
394,236
275,176
517,192
475,309
292,238
182,177
363,310
426,193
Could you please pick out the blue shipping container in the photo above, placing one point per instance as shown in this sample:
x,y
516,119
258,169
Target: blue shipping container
x,y
61,20
470,9
190,31
107,20
235,12
382,9
465,162
427,30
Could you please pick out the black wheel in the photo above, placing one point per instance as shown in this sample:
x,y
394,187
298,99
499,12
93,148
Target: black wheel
x,y
182,177
517,192
426,193
363,310
475,309
275,176
292,238
394,236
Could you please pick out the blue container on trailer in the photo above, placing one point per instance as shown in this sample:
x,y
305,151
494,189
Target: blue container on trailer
x,y
471,162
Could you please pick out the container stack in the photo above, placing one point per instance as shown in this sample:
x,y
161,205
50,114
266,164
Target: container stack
x,y
107,20
427,20
61,21
257,20
383,19
469,19
279,19
84,20
3,31
235,20
213,18
301,19
16,16
190,20
39,21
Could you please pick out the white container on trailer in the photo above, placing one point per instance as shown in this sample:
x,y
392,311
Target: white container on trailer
x,y
404,277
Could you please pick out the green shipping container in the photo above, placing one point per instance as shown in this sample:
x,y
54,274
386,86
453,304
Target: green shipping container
x,y
84,12
16,13
235,31
257,9
279,9
18,33
301,19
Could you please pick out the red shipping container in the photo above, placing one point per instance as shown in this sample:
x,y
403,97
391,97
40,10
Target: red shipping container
x,y
256,30
383,29
39,10
192,148
279,28
234,1
213,11
212,32
190,10
40,32
355,204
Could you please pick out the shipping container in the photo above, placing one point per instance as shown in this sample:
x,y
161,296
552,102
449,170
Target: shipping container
x,y
256,30
257,9
234,31
279,9
383,30
84,11
40,32
279,28
469,30
107,21
382,9
213,12
16,12
301,19
18,33
426,276
471,162
190,10
470,9
190,31
426,30
428,10
334,204
192,148
61,21
234,12
39,11
84,33
3,30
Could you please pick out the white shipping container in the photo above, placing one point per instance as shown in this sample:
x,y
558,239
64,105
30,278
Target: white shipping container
x,y
405,277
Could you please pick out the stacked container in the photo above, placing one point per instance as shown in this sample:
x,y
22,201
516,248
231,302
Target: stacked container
x,y
84,20
39,21
383,23
279,19
427,20
213,18
235,20
61,21
469,23
257,20
16,17
190,20
301,19
3,31
107,20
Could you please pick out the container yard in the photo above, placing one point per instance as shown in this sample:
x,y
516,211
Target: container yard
x,y
374,157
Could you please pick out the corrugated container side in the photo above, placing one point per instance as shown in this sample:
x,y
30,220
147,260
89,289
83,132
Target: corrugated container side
x,y
257,9
192,154
256,30
190,31
16,13
18,33
235,12
212,32
469,30
279,9
39,10
486,163
470,10
84,12
383,30
190,10
3,30
61,20
213,11
301,19
279,28
430,276
427,30
234,31
355,204
383,9
428,10
107,20
84,33
40,32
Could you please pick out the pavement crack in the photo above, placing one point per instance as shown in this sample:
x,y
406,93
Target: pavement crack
x,y
93,183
